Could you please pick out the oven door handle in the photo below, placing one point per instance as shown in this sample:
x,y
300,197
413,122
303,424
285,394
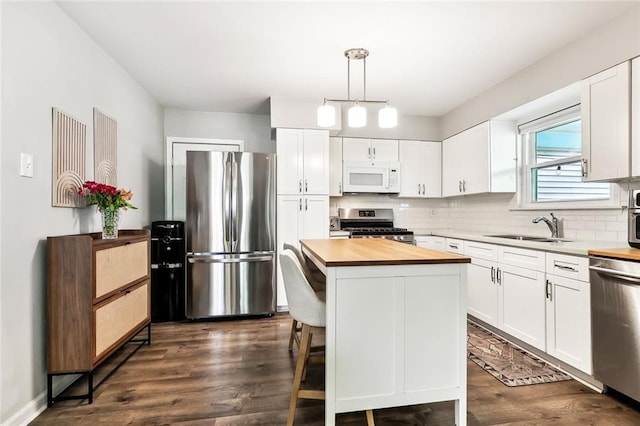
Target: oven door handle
x,y
626,276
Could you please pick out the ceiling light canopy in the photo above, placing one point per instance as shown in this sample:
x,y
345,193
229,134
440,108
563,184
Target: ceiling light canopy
x,y
357,114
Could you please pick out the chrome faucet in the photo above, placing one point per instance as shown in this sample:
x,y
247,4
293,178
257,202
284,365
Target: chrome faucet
x,y
552,224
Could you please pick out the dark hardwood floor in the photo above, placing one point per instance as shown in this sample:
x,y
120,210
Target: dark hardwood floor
x,y
240,373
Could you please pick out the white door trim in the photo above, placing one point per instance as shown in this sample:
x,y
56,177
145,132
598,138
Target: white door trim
x,y
168,164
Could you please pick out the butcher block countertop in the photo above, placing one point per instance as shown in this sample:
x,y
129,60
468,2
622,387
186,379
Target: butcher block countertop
x,y
626,253
375,251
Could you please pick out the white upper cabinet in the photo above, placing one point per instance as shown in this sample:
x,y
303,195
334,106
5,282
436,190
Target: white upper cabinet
x,y
605,124
421,167
358,149
303,161
635,117
335,167
479,160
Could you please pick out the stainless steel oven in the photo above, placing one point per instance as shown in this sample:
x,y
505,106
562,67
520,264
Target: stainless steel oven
x,y
615,323
372,223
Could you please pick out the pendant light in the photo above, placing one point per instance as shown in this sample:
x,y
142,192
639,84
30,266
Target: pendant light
x,y
357,114
326,115
387,117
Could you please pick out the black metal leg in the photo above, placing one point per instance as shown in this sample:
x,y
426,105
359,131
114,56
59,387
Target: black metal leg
x,y
49,390
149,334
90,385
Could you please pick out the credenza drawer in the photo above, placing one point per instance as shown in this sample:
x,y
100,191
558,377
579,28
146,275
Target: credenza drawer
x,y
118,266
116,319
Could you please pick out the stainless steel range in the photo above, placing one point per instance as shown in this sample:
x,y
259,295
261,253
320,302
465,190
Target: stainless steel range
x,y
372,223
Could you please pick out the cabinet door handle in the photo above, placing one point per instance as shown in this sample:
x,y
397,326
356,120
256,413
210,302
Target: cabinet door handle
x,y
339,187
464,186
418,189
565,268
453,246
306,185
499,276
300,204
493,274
584,167
423,191
369,152
306,204
300,186
547,290
374,153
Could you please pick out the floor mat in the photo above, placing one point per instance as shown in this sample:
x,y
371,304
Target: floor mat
x,y
507,363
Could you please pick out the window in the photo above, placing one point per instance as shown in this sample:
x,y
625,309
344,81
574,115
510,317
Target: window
x,y
553,163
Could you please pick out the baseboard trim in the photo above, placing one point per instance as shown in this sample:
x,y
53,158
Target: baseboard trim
x,y
36,406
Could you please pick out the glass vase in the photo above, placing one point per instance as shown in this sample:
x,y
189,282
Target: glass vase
x,y
110,220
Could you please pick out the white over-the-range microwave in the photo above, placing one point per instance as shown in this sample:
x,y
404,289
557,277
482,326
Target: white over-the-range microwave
x,y
375,177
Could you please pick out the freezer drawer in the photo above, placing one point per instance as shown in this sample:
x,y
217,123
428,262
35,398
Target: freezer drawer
x,y
230,284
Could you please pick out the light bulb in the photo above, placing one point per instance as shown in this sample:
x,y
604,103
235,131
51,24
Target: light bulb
x,y
357,116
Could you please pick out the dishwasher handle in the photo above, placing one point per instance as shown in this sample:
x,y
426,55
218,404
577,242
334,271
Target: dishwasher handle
x,y
626,276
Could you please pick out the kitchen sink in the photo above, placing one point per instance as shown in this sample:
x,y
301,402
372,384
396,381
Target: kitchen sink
x,y
528,238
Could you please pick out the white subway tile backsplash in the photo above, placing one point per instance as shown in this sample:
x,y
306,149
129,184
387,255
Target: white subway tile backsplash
x,y
491,214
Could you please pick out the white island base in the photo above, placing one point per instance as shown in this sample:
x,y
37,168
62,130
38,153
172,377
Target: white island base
x,y
395,336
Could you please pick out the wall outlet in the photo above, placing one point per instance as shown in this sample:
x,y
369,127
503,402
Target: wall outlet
x,y
26,165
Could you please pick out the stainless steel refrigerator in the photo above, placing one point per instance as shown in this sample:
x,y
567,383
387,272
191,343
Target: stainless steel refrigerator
x,y
231,234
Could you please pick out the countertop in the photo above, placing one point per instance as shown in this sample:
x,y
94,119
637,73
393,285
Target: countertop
x,y
375,251
579,248
627,253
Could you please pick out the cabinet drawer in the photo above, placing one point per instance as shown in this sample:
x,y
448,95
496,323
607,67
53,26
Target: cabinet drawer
x,y
529,259
430,242
563,265
453,245
118,266
477,250
114,320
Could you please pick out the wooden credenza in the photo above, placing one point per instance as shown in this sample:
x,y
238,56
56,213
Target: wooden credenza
x,y
98,299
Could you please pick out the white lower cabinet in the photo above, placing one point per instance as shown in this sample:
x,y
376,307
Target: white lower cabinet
x,y
522,310
506,289
542,299
299,217
482,291
568,311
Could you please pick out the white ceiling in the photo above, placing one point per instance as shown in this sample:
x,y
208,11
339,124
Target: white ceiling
x,y
427,58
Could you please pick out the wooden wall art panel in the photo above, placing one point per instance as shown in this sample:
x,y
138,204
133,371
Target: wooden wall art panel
x,y
105,148
69,159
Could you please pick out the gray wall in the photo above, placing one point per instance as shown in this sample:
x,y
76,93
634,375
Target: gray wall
x,y
252,128
613,43
48,61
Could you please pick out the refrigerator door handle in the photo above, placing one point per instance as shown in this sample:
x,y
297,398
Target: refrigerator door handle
x,y
233,258
227,202
234,204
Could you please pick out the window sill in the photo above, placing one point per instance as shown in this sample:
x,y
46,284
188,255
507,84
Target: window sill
x,y
558,206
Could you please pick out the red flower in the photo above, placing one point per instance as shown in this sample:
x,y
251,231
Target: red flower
x,y
105,196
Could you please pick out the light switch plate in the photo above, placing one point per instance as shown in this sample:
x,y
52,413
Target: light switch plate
x,y
26,165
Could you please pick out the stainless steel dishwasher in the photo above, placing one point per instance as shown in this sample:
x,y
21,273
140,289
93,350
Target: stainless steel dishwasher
x,y
615,322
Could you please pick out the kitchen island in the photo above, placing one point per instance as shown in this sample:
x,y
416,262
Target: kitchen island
x,y
396,325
